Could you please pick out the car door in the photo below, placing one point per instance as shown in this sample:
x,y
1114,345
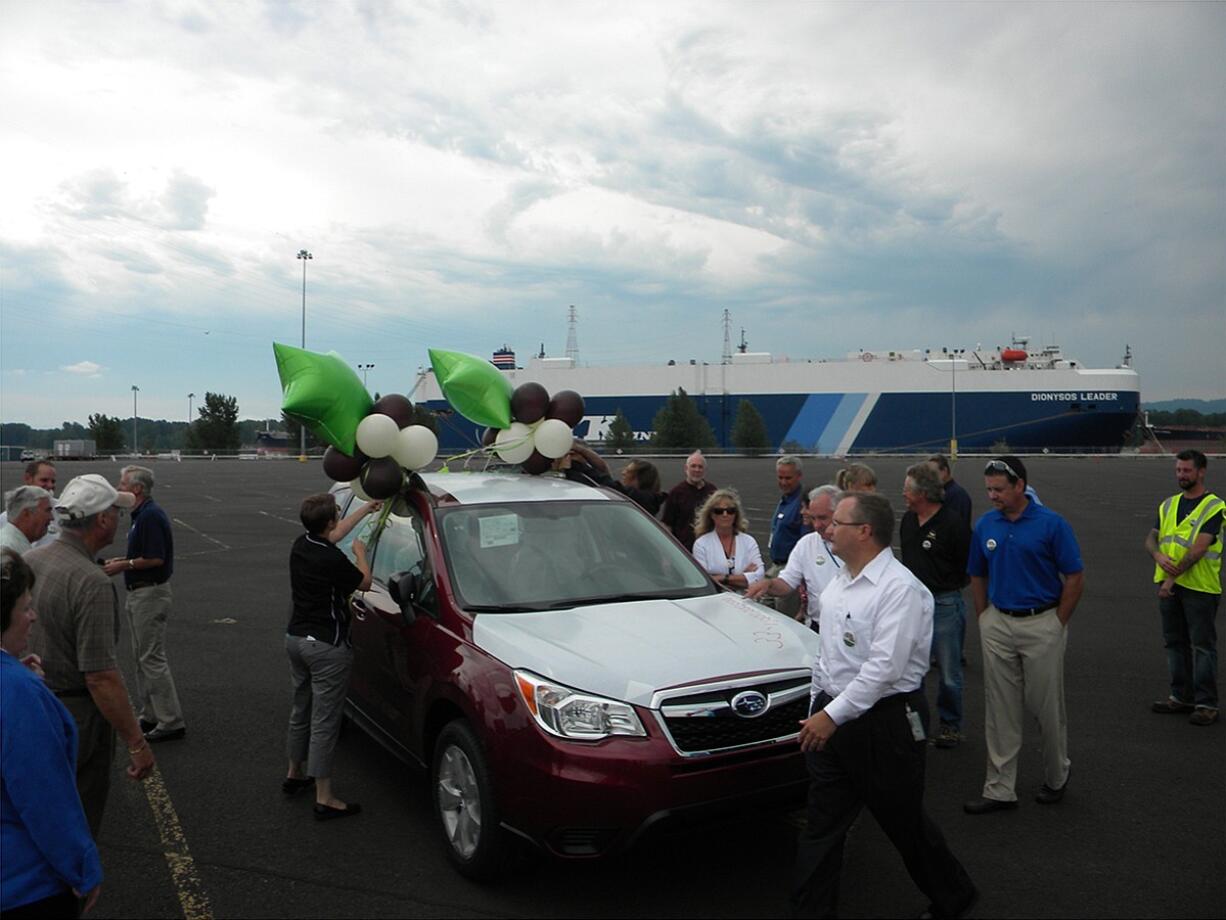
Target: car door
x,y
390,649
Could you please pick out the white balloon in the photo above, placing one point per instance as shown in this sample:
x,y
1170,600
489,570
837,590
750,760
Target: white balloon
x,y
376,435
356,485
416,447
514,444
554,438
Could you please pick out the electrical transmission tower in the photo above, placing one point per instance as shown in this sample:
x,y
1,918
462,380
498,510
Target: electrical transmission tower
x,y
727,356
572,335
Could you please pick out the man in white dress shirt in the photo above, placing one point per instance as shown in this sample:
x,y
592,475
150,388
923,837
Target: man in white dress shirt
x,y
864,741
811,562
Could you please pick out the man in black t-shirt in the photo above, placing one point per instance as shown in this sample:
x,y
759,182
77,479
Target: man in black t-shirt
x,y
935,541
317,642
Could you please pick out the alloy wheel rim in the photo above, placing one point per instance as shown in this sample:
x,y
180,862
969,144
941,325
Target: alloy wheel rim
x,y
459,801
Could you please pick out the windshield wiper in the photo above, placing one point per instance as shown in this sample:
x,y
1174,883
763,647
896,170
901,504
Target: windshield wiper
x,y
505,608
621,598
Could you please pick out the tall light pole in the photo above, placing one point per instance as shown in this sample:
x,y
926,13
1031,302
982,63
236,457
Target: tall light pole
x,y
135,390
953,407
304,256
364,368
190,397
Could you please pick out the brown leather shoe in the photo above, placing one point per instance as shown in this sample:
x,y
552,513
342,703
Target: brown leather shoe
x,y
983,806
1203,716
1171,708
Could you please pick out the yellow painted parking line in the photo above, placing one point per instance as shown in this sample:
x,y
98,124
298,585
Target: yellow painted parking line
x,y
188,886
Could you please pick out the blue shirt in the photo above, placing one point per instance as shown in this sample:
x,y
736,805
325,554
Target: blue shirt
x,y
959,499
1024,559
45,842
150,537
787,527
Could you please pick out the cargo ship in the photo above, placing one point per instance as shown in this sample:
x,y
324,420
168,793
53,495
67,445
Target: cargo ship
x,y
911,401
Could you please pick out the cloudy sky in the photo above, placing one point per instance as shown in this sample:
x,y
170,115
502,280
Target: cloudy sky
x,y
837,176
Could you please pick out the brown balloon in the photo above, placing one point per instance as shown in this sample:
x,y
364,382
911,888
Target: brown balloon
x,y
340,466
488,436
566,405
537,463
397,407
382,478
529,402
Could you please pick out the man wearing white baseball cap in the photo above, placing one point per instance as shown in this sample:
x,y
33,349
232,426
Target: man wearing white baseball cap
x,y
76,635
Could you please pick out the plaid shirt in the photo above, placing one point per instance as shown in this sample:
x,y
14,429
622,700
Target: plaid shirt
x,y
78,614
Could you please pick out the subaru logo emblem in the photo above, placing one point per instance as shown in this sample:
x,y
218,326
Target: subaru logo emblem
x,y
750,704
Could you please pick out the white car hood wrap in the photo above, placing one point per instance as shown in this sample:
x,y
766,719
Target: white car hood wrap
x,y
628,651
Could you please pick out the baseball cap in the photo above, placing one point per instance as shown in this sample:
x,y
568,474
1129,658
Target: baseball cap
x,y
89,494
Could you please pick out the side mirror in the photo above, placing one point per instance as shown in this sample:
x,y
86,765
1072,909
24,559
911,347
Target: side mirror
x,y
404,587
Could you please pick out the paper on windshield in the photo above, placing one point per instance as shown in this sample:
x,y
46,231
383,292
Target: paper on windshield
x,y
499,530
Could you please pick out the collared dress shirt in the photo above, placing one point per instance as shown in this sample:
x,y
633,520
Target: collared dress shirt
x,y
812,563
876,635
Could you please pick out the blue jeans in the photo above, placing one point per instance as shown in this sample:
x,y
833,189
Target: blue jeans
x,y
948,628
1191,645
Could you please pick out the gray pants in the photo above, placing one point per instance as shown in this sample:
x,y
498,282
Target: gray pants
x,y
95,754
320,673
148,609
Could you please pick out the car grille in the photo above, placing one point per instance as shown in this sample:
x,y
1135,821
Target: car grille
x,y
702,721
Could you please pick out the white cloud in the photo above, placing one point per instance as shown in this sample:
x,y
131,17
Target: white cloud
x,y
84,369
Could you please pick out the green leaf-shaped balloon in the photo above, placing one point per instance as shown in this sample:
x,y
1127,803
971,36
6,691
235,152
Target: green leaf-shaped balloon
x,y
474,387
323,393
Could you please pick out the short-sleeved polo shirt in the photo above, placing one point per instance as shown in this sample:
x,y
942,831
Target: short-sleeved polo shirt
x,y
150,537
321,580
936,551
78,614
1024,559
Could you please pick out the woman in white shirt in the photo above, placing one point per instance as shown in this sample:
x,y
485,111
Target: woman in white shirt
x,y
724,548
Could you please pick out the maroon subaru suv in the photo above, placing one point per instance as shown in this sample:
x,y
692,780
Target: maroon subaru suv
x,y
564,670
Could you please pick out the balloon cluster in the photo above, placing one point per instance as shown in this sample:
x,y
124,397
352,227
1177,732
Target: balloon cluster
x,y
388,443
523,425
542,429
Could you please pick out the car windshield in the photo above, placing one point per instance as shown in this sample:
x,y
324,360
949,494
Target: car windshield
x,y
555,555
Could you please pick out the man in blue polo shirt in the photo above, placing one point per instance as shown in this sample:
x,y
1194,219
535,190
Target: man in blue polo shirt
x,y
146,569
1026,578
787,526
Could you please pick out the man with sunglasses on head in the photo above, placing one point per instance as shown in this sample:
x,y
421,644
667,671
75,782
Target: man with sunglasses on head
x,y
1026,578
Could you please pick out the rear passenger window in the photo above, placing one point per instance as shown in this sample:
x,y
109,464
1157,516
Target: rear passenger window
x,y
400,547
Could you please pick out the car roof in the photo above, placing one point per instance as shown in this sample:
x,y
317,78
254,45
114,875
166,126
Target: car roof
x,y
490,488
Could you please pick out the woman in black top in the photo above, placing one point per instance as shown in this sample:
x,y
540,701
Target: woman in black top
x,y
317,642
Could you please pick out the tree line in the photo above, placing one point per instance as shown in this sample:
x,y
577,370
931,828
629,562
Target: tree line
x,y
680,426
216,428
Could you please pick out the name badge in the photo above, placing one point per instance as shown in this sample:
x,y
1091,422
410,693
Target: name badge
x,y
849,639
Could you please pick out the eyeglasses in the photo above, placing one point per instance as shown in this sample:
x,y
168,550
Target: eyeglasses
x,y
999,466
838,523
723,511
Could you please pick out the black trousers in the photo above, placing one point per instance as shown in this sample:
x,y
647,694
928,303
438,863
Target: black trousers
x,y
875,761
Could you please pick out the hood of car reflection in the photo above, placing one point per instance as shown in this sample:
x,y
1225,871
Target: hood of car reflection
x,y
628,651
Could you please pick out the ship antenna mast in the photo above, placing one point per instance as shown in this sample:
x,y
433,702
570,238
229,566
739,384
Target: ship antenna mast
x,y
744,346
572,335
727,356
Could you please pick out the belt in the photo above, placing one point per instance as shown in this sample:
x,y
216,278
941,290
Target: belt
x,y
67,693
1028,611
144,584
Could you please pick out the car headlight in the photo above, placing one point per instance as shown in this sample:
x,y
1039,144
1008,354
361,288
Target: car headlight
x,y
577,716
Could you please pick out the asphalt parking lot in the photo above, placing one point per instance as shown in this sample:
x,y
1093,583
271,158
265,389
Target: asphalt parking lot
x,y
1141,833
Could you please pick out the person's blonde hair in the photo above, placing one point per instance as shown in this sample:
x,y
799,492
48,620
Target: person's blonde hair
x,y
856,477
703,522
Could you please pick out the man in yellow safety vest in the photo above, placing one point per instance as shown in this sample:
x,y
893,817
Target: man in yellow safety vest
x,y
1186,544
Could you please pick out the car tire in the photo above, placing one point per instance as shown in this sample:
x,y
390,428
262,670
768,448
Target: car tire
x,y
464,806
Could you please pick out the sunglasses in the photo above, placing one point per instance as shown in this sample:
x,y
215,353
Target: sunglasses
x,y
723,511
999,466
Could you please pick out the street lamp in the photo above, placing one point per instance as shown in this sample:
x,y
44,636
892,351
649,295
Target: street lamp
x,y
135,449
190,397
364,368
304,256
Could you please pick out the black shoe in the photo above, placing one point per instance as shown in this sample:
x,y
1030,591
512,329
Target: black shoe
x,y
146,726
1049,796
982,806
165,734
293,786
328,813
1170,707
967,904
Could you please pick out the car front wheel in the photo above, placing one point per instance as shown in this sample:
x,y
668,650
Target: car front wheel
x,y
464,804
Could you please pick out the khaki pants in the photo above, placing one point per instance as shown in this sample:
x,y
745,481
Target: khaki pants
x,y
1023,671
148,608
